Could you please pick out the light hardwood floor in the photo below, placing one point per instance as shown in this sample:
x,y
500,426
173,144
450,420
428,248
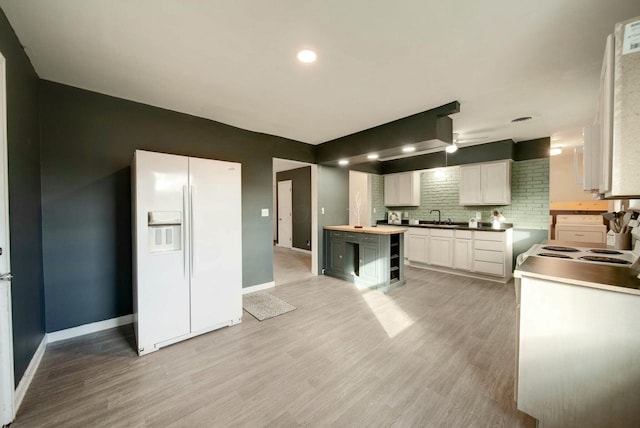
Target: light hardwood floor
x,y
290,265
437,352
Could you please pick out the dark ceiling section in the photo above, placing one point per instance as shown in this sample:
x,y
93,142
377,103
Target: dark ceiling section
x,y
497,150
532,149
427,130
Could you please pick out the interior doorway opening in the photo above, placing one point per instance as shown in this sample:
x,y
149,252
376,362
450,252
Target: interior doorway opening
x,y
298,258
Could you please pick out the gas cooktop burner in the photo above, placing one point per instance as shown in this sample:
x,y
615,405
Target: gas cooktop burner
x,y
603,251
563,249
558,256
604,260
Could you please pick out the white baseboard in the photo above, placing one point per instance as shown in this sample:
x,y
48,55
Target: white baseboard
x,y
28,375
259,287
301,250
93,327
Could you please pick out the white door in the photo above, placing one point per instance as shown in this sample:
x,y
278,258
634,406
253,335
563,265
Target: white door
x,y
495,183
216,244
6,335
161,276
285,220
470,188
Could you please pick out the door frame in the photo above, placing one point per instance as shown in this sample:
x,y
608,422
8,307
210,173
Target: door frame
x,y
290,199
314,207
7,383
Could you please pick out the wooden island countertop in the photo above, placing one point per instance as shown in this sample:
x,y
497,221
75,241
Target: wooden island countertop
x,y
386,230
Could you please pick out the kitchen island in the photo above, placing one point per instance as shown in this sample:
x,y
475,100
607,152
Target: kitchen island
x,y
578,347
369,257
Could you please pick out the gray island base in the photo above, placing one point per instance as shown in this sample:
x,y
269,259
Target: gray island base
x,y
368,257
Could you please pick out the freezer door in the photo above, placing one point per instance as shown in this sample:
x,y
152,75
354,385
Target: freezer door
x,y
216,243
161,276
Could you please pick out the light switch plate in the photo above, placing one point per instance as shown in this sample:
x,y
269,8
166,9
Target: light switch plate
x,y
265,212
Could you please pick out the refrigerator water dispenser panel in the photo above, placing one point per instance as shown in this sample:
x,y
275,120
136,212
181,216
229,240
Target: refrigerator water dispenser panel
x,y
165,231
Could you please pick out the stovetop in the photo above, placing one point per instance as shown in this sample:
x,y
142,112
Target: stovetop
x,y
603,256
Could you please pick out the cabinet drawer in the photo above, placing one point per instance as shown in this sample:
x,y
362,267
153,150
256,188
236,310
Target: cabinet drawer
x,y
489,268
336,234
488,245
353,237
583,236
489,256
463,234
369,239
445,233
490,236
415,231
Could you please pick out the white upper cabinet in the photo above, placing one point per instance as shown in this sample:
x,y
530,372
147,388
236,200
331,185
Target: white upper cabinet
x,y
611,149
402,189
486,183
470,189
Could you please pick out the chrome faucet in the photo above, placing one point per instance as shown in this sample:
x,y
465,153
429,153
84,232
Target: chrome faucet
x,y
438,211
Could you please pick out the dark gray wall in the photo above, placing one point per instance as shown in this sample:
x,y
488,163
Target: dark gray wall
x,y
333,196
88,142
24,200
300,205
532,149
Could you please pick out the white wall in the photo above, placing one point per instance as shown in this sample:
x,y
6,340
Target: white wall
x,y
562,182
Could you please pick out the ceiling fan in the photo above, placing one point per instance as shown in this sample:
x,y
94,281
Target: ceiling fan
x,y
459,141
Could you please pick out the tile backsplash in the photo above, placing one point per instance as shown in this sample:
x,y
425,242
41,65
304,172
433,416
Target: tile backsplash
x,y
529,207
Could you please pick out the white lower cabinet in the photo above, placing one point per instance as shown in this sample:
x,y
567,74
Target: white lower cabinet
x,y
463,250
487,254
441,247
419,245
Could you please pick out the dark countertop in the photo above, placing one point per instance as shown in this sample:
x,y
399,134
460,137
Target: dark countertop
x,y
485,227
612,278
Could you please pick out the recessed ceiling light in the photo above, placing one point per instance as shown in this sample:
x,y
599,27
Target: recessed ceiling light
x,y
372,156
343,162
555,151
408,149
307,56
452,148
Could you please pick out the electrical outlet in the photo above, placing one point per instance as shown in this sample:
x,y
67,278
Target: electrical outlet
x,y
322,210
478,215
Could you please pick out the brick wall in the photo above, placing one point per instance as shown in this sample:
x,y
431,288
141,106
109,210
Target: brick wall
x,y
377,198
529,207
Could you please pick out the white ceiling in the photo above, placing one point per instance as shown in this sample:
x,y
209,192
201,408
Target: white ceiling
x,y
234,60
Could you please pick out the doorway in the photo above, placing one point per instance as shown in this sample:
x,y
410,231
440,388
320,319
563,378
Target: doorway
x,y
300,259
6,334
285,218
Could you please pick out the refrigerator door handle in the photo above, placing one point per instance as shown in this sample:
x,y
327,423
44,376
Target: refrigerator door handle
x,y
184,230
192,232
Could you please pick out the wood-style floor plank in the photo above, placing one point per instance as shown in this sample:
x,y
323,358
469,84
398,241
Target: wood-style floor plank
x,y
437,352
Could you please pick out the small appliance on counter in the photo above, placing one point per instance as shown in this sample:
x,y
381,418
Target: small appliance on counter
x,y
394,217
473,223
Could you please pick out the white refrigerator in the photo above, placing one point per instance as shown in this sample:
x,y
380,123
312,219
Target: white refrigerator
x,y
187,247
